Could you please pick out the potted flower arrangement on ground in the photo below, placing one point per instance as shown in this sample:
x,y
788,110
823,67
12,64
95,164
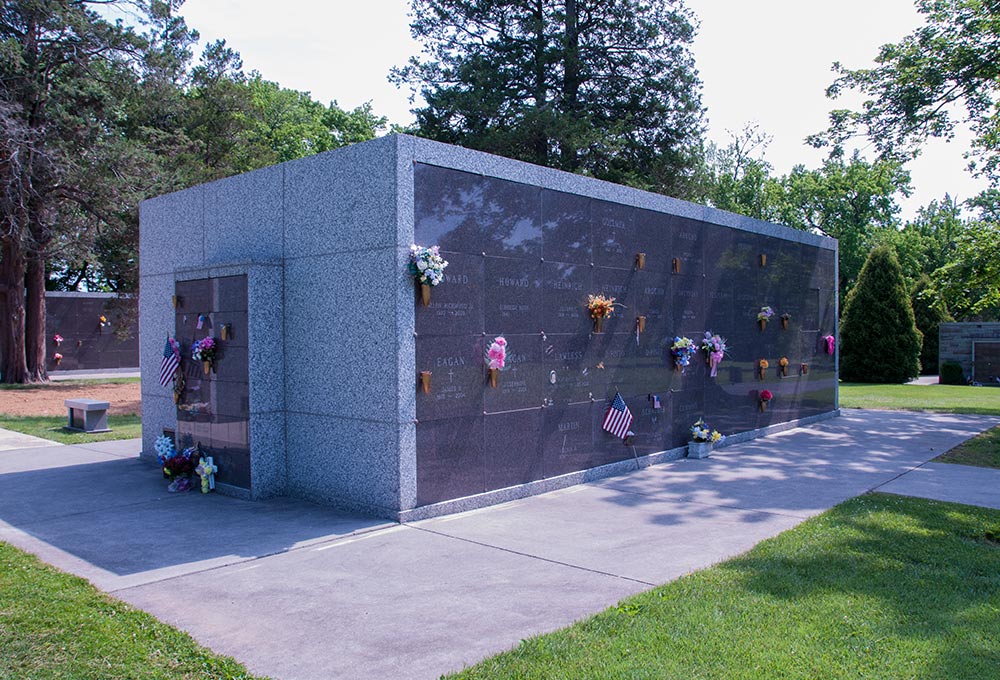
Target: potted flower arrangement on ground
x,y
763,315
703,439
177,466
496,357
427,268
682,350
601,307
204,351
715,347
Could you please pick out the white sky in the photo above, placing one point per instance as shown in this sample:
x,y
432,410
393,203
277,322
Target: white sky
x,y
766,61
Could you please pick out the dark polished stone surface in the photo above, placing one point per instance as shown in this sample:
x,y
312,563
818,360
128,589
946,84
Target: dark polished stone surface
x,y
214,411
523,262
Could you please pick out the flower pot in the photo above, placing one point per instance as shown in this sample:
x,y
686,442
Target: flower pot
x,y
425,294
494,374
206,366
598,324
640,322
763,406
699,449
784,324
425,381
762,323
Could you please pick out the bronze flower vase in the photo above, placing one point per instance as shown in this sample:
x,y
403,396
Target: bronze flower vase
x,y
425,382
762,323
598,324
425,294
784,371
804,369
784,324
763,406
206,366
494,375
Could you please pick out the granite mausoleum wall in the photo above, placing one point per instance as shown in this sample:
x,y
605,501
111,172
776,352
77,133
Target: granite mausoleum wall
x,y
336,335
87,343
958,341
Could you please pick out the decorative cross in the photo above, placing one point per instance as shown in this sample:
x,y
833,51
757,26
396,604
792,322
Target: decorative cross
x,y
206,470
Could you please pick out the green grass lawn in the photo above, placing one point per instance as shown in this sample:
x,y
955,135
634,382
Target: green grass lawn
x,y
950,398
53,625
981,451
57,383
51,427
878,587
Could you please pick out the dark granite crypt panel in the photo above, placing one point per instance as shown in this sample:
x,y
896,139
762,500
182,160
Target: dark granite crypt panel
x,y
214,409
522,262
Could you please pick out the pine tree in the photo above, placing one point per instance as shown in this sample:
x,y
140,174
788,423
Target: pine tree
x,y
929,311
880,342
606,88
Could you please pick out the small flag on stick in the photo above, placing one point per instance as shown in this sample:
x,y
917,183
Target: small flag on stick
x,y
618,419
171,361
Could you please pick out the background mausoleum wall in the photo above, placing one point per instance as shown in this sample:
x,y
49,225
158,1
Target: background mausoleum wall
x,y
959,341
336,335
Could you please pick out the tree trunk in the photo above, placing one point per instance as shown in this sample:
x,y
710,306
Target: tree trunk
x,y
13,368
34,320
540,142
571,84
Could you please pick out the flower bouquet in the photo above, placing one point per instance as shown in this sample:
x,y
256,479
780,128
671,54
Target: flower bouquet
x,y
204,351
703,438
762,367
715,347
601,307
177,466
763,315
765,396
785,318
682,350
57,357
783,362
427,268
496,357
58,339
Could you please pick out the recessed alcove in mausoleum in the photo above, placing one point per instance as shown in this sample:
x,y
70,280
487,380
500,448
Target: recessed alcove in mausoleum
x,y
334,382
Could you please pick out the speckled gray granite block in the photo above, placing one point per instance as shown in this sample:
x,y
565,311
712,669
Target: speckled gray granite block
x,y
341,201
243,217
349,463
172,232
266,326
158,412
340,335
268,463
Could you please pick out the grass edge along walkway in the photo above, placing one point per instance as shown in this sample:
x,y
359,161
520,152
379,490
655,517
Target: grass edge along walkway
x,y
880,586
51,427
55,625
937,398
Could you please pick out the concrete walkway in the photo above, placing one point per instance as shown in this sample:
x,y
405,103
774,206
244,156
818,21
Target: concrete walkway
x,y
13,441
298,591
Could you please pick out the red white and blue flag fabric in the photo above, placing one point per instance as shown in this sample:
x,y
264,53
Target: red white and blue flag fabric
x,y
618,419
171,361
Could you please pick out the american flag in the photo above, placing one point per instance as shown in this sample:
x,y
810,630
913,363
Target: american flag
x,y
171,360
618,419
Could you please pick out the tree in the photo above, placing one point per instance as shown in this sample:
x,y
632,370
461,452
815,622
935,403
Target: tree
x,y
879,340
920,84
970,282
739,180
604,88
852,201
929,312
928,241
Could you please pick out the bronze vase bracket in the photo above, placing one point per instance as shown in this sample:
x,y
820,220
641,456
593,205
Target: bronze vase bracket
x,y
425,382
763,405
675,265
784,324
598,324
763,259
206,366
494,375
762,323
640,261
640,323
804,369
425,294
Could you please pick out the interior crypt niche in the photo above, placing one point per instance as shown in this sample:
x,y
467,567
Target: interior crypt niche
x,y
348,383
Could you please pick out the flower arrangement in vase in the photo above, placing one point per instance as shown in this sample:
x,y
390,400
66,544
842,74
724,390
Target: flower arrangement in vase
x,y
765,396
427,268
204,351
682,350
600,307
57,357
58,339
785,318
496,357
783,362
703,439
177,466
715,347
763,315
762,367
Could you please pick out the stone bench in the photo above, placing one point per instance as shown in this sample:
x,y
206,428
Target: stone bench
x,y
87,415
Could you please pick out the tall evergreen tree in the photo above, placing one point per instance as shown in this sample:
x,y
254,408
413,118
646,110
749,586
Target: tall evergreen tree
x,y
606,88
929,312
880,342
